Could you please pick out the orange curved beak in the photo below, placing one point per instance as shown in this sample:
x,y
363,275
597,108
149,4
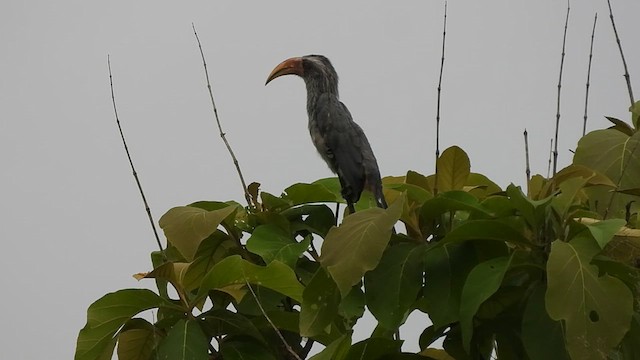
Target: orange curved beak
x,y
287,67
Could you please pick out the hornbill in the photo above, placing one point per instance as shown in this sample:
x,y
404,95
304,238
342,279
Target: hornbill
x,y
339,140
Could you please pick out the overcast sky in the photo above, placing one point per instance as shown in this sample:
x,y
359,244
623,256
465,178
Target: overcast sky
x,y
73,226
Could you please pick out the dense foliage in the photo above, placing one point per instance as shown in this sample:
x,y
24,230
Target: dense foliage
x,y
550,272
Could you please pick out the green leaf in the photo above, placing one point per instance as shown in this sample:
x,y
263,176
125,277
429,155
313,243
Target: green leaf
x,y
483,281
244,350
356,246
185,341
212,250
352,306
373,348
630,346
542,337
483,186
430,335
533,211
336,350
220,322
392,287
617,156
108,314
231,274
185,226
485,230
320,301
332,184
310,193
137,340
446,270
436,354
415,178
453,169
635,114
274,203
273,243
620,125
269,300
569,195
603,231
317,219
451,201
172,272
596,309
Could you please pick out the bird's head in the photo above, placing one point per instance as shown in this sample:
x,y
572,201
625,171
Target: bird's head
x,y
316,70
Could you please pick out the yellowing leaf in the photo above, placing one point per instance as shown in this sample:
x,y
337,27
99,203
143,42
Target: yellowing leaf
x,y
186,226
596,309
453,169
356,246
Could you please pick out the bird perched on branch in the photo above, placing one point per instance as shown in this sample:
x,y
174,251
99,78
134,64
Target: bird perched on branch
x,y
339,140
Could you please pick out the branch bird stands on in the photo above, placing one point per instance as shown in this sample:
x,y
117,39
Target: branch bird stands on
x,y
339,140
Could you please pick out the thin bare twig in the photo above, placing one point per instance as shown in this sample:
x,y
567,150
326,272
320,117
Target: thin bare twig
x,y
550,156
526,154
624,62
275,328
247,196
444,36
586,97
564,41
133,169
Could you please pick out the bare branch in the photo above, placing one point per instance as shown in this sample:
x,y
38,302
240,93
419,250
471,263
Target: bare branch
x,y
215,113
133,169
526,154
444,35
586,97
564,41
550,156
284,341
624,62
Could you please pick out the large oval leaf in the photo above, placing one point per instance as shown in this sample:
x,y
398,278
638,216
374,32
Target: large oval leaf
x,y
244,350
391,288
336,350
231,274
483,281
356,246
453,169
320,301
485,230
446,268
616,155
596,309
186,226
310,193
220,322
273,243
108,314
542,338
185,341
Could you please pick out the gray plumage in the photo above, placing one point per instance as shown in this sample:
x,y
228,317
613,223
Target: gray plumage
x,y
339,140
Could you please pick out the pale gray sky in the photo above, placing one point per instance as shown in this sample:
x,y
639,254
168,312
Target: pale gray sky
x,y
73,226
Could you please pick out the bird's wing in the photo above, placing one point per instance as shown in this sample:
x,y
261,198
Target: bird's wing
x,y
345,143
